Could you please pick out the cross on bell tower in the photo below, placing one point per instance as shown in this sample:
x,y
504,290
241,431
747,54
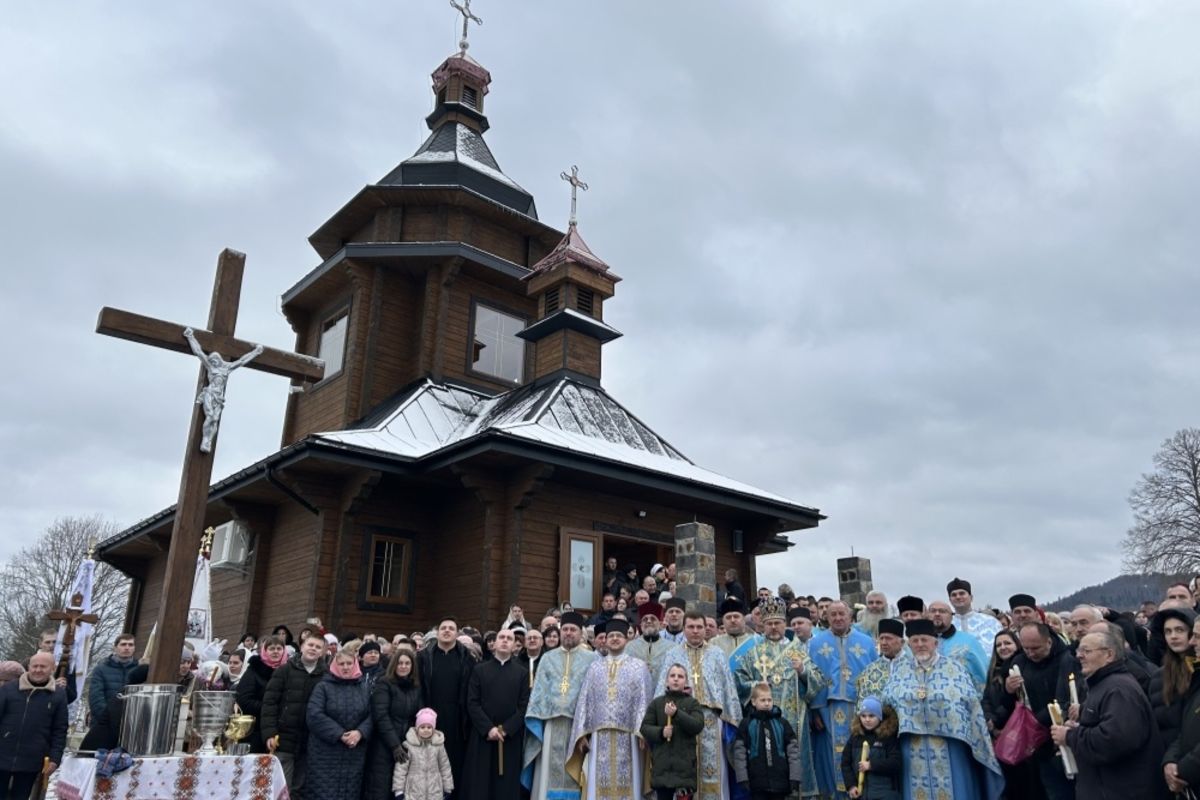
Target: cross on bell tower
x,y
465,9
576,184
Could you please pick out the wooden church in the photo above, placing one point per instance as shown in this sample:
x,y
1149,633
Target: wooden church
x,y
460,453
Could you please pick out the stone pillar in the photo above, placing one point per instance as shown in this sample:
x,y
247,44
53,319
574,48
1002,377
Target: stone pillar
x,y
854,579
696,567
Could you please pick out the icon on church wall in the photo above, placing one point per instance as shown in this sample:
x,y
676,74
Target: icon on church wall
x,y
583,573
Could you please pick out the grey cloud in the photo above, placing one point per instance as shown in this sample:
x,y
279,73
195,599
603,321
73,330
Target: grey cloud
x,y
926,267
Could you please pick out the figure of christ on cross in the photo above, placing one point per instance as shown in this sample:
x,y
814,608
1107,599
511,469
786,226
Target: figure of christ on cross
x,y
212,396
188,525
71,617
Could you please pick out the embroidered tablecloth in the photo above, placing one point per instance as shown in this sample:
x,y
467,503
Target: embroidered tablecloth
x,y
252,777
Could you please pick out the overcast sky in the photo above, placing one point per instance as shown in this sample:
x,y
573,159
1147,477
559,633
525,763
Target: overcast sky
x,y
929,267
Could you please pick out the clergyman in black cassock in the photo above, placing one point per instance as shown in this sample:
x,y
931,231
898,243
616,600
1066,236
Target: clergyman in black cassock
x,y
445,669
497,696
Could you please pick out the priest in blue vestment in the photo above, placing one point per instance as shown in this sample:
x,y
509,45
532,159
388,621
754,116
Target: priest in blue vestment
x,y
607,751
958,644
551,713
784,666
943,734
980,624
841,653
714,688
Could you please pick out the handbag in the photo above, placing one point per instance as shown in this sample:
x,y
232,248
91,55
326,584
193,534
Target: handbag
x,y
1021,737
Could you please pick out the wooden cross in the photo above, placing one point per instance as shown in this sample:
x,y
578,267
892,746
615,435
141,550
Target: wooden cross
x,y
190,508
72,615
465,9
573,179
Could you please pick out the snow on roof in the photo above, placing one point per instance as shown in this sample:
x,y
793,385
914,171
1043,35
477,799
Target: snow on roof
x,y
567,415
457,142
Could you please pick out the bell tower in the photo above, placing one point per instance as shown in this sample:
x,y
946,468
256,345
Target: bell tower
x,y
570,284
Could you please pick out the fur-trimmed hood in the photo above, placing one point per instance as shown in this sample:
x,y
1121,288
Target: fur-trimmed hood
x,y
887,729
413,740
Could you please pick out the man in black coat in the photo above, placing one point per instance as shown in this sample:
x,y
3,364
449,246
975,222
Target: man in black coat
x,y
1045,664
1115,741
284,722
497,696
445,668
33,727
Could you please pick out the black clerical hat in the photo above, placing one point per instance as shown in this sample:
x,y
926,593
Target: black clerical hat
x,y
799,611
920,627
910,603
1018,600
572,618
620,626
675,602
956,584
731,604
892,626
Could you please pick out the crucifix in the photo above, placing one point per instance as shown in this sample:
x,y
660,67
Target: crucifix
x,y
576,184
190,508
71,617
465,9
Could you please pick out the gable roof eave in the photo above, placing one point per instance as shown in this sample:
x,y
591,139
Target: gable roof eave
x,y
502,441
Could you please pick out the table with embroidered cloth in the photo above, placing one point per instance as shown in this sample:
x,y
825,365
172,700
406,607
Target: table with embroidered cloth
x,y
251,777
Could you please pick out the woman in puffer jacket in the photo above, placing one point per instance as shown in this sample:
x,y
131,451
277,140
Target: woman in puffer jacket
x,y
425,774
339,730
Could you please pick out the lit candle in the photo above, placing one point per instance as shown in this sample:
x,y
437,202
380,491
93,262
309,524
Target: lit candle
x,y
862,776
1074,691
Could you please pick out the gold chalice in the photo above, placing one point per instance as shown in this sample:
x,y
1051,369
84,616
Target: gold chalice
x,y
238,728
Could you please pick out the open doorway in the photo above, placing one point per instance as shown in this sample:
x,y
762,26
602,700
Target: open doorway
x,y
583,555
640,554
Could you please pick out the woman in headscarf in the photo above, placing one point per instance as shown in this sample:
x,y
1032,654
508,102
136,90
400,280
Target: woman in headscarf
x,y
339,730
272,654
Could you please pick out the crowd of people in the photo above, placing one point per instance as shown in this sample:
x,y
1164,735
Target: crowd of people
x,y
776,695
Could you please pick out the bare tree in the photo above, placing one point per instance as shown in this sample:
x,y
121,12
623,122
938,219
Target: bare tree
x,y
36,580
1165,536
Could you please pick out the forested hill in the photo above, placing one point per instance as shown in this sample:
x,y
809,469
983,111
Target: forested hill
x,y
1123,593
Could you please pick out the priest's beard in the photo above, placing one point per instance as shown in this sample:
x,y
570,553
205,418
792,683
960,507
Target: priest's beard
x,y
869,622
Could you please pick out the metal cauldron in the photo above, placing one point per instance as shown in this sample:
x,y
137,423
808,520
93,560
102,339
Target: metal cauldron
x,y
149,719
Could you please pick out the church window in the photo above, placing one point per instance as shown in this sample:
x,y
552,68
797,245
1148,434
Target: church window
x,y
585,300
470,96
495,348
389,573
333,343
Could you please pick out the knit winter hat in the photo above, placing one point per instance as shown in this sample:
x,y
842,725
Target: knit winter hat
x,y
872,706
427,716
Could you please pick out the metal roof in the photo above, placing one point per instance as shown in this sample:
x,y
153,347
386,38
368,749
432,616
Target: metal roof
x,y
456,154
566,415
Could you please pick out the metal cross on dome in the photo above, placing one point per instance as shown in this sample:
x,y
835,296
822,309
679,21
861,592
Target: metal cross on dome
x,y
576,184
465,9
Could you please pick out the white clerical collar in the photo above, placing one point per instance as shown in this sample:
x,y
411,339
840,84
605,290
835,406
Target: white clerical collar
x,y
502,661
